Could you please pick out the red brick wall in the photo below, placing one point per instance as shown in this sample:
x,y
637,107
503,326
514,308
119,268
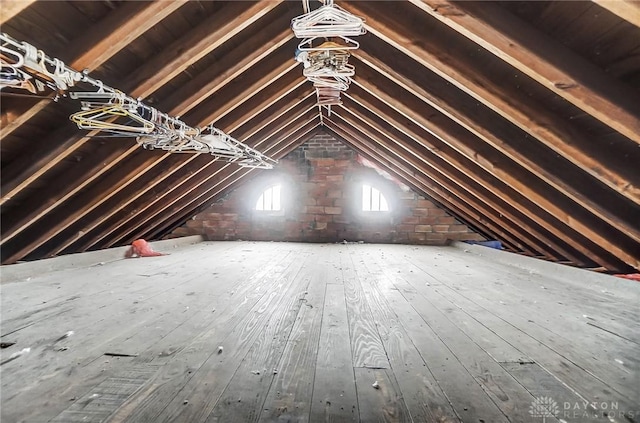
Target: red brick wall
x,y
321,191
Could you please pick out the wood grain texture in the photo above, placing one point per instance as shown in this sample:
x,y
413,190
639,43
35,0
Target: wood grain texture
x,y
366,345
523,307
379,396
289,397
293,351
207,372
334,390
499,385
100,402
244,396
422,394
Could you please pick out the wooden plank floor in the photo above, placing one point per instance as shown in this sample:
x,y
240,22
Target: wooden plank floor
x,y
247,332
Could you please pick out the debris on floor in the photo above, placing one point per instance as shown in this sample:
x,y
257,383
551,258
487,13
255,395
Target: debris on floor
x,y
16,355
630,276
66,335
497,245
117,354
376,385
141,248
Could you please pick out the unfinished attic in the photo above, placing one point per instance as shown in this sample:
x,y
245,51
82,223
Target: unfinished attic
x,y
311,211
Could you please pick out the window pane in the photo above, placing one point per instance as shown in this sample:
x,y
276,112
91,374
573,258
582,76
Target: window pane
x,y
276,197
268,196
383,203
270,200
366,198
375,200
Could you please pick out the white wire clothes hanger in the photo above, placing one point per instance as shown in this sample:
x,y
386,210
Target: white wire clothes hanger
x,y
327,21
111,113
13,76
324,49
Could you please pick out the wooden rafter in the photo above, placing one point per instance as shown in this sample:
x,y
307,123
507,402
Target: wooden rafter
x,y
474,83
420,183
554,132
37,210
434,59
230,183
274,96
190,201
40,167
202,165
417,115
476,188
378,148
546,61
262,141
304,92
104,40
9,9
495,154
147,79
628,10
470,179
149,184
204,194
246,94
241,60
117,31
199,42
109,187
88,205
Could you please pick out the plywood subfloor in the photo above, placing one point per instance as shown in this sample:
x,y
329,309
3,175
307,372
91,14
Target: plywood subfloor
x,y
245,331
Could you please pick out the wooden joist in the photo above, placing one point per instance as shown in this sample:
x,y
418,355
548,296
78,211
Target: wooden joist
x,y
467,177
477,152
104,40
149,195
405,170
546,61
286,140
462,75
628,10
430,160
206,37
555,133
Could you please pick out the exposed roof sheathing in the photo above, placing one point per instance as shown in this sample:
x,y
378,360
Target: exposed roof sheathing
x,y
520,117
